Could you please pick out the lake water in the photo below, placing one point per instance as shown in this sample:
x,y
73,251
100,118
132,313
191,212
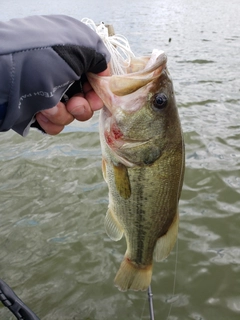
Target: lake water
x,y
54,250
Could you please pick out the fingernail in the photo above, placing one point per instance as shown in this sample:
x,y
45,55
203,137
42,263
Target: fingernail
x,y
52,111
78,111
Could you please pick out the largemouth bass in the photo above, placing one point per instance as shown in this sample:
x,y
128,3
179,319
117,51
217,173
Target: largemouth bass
x,y
143,164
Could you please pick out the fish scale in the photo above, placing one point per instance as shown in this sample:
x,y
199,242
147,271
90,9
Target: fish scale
x,y
143,165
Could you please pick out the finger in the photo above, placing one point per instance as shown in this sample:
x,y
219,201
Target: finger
x,y
87,87
47,125
79,108
94,101
106,72
58,115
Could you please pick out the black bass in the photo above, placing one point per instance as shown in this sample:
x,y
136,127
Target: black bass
x,y
143,164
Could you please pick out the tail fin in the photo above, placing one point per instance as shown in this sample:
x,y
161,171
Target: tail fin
x,y
130,276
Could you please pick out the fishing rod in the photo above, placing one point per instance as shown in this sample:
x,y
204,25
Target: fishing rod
x,y
150,300
10,300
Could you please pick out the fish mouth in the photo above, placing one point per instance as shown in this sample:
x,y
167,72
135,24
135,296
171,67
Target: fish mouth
x,y
111,89
125,84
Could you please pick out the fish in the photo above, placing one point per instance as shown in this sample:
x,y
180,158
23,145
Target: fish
x,y
143,161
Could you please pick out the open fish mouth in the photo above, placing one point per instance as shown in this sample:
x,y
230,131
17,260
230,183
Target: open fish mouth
x,y
127,83
141,71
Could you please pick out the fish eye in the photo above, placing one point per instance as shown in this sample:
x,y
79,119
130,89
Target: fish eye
x,y
160,101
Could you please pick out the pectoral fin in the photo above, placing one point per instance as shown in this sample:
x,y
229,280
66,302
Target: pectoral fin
x,y
112,226
122,181
166,243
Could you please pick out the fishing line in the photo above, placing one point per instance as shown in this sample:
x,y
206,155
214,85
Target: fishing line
x,y
117,45
176,260
174,280
150,294
121,55
144,305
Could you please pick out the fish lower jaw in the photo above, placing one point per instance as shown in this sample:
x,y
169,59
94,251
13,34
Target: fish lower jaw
x,y
133,276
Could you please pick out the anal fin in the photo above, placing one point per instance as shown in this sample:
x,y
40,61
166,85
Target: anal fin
x,y
112,226
166,243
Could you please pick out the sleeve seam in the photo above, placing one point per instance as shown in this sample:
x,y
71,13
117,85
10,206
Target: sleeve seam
x,y
12,76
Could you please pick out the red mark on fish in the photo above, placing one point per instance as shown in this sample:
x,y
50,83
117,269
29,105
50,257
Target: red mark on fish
x,y
114,135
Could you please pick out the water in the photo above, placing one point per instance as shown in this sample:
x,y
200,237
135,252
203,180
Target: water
x,y
54,251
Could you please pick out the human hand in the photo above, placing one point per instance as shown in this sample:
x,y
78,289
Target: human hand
x,y
50,56
80,107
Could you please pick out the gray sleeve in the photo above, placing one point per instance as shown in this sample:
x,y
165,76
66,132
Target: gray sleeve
x,y
40,58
